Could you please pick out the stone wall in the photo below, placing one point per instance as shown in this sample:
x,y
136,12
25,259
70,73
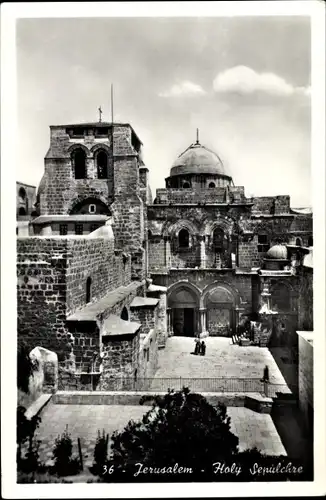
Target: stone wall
x,y
148,358
51,284
305,299
120,359
306,370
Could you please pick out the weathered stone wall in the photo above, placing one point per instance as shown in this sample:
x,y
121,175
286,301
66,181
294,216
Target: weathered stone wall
x,y
306,384
120,358
305,299
148,357
52,274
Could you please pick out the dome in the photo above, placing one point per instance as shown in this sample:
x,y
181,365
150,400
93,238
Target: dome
x,y
277,252
197,159
41,186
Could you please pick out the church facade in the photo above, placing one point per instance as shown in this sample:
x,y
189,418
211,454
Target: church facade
x,y
106,273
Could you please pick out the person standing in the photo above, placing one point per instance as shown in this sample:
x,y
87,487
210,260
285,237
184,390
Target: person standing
x,y
203,348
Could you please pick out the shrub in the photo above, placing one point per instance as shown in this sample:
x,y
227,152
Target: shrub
x,y
181,427
100,452
26,431
64,463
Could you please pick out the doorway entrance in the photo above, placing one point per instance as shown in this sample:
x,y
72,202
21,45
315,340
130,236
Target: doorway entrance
x,y
184,321
184,305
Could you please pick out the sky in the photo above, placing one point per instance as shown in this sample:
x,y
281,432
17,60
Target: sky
x,y
243,81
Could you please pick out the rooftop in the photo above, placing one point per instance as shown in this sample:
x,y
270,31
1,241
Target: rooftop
x,y
114,325
198,159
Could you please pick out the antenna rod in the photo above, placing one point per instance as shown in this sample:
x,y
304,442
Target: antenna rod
x,y
197,141
112,103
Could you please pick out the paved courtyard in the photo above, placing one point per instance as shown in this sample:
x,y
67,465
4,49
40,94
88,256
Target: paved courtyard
x,y
253,429
222,359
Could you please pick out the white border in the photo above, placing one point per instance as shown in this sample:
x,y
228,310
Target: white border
x,y
10,12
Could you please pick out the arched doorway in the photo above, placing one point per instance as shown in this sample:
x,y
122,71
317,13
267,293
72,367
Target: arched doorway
x,y
221,313
184,306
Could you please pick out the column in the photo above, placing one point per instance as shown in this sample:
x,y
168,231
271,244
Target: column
x,y
202,252
167,251
202,322
169,322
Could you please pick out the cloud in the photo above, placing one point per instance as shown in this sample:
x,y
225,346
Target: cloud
x,y
244,80
184,88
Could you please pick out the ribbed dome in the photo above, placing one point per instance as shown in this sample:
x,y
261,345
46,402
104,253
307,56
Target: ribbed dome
x,y
197,159
277,252
41,186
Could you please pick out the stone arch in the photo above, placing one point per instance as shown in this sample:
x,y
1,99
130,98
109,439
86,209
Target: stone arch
x,y
225,223
80,204
79,163
173,229
282,296
73,147
183,300
102,163
94,149
231,290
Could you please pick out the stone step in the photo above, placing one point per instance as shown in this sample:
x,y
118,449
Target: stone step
x,y
37,406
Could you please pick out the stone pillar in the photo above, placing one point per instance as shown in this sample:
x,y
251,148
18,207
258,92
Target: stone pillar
x,y
202,252
167,252
169,322
47,230
203,323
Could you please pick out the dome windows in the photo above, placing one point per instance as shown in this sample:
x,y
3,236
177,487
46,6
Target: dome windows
x,y
186,185
211,185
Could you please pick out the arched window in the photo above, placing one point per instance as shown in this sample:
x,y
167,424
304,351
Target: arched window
x,y
218,239
183,238
78,158
310,241
124,314
298,242
22,211
88,290
186,185
211,185
22,193
102,165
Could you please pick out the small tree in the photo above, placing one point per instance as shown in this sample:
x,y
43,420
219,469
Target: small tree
x,y
64,463
181,427
100,452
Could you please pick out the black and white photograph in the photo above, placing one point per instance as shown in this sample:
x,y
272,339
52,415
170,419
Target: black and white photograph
x,y
164,318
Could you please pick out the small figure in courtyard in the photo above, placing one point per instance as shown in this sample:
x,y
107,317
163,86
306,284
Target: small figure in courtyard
x,y
197,347
202,348
266,374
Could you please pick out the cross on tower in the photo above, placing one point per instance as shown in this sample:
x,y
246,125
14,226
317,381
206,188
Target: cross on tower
x,y
100,114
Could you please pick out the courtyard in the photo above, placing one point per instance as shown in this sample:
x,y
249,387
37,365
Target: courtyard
x,y
83,421
222,360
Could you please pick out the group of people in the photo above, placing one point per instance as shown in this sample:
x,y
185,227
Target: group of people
x,y
200,348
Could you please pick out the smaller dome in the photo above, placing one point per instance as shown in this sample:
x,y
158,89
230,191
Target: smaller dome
x,y
278,252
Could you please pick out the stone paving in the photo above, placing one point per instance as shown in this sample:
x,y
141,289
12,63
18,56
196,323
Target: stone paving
x,y
83,421
222,359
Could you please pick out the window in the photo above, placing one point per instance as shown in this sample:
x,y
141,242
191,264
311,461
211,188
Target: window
x,y
101,131
63,229
79,229
22,211
310,241
263,244
102,165
147,351
186,185
124,314
211,185
79,164
94,227
218,239
22,193
92,208
183,238
298,242
88,290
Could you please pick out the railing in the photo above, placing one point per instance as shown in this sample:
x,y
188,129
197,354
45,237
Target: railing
x,y
93,381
